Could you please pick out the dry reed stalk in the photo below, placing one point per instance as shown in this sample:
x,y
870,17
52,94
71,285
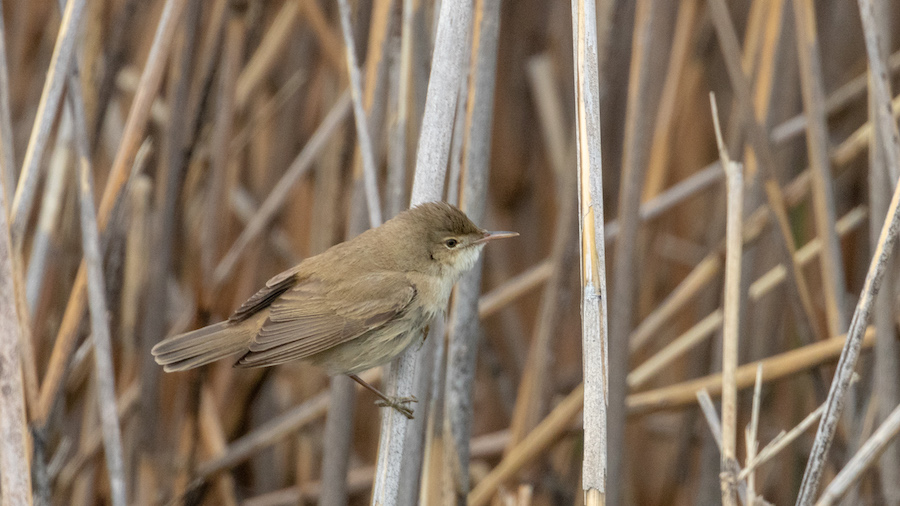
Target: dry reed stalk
x,y
709,267
731,312
863,459
625,273
712,418
751,441
759,140
131,140
447,67
812,87
678,395
135,277
163,231
835,102
882,178
60,63
546,433
57,179
594,314
835,402
104,370
15,469
8,173
342,394
780,442
465,326
761,48
399,100
775,367
662,130
92,439
223,168
329,41
214,440
713,322
363,132
733,489
533,393
338,424
267,53
282,189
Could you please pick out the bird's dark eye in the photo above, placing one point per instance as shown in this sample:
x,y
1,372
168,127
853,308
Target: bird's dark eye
x,y
451,243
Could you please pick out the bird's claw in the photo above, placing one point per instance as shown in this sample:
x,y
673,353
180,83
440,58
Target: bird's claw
x,y
399,404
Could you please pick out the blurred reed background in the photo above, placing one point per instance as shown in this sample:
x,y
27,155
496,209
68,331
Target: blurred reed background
x,y
216,142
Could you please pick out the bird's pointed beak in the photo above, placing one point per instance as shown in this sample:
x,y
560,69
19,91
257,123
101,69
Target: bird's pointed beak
x,y
490,236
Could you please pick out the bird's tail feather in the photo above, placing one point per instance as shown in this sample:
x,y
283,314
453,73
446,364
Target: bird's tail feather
x,y
202,346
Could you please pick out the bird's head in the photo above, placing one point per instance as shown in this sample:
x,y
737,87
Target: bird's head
x,y
450,239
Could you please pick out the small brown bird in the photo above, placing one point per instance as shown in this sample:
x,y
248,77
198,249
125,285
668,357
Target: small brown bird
x,y
355,306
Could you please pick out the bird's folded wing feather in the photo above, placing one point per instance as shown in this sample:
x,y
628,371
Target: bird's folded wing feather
x,y
274,287
314,316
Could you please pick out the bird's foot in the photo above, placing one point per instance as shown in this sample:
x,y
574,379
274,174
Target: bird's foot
x,y
399,404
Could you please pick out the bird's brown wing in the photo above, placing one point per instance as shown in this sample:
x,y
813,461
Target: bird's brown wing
x,y
315,316
265,296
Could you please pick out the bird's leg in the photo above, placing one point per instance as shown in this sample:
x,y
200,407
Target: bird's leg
x,y
397,403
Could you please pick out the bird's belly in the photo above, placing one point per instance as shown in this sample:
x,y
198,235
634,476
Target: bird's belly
x,y
376,347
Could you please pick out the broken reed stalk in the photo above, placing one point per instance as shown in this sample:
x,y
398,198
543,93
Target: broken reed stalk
x,y
673,396
733,489
835,402
762,147
763,285
780,442
752,435
448,63
594,314
731,312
